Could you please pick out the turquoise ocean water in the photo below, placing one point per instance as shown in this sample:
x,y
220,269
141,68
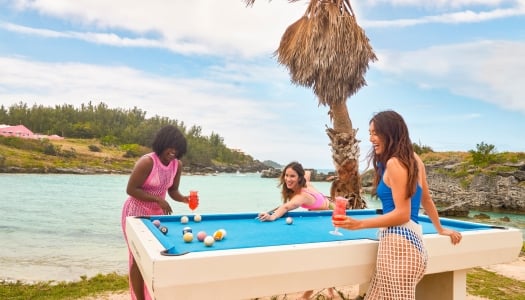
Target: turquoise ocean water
x,y
61,227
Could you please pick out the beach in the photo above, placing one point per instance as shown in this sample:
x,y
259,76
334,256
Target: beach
x,y
68,226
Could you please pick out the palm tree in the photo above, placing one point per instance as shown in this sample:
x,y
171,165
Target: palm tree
x,y
329,52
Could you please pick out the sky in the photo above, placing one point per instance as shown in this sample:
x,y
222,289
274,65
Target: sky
x,y
454,69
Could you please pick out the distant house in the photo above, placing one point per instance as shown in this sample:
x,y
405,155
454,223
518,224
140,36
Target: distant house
x,y
22,132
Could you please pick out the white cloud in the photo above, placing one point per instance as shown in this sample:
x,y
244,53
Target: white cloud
x,y
456,17
444,3
236,42
210,104
197,26
488,70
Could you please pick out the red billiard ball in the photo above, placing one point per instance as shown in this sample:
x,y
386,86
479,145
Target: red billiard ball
x,y
156,223
201,236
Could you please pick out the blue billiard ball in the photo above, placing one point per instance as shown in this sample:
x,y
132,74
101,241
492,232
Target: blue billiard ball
x,y
186,229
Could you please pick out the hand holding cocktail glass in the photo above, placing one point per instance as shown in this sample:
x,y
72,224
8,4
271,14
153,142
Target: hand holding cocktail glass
x,y
193,202
339,212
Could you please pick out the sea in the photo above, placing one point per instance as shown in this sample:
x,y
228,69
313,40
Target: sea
x,y
64,227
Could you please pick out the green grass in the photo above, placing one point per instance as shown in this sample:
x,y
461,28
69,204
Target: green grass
x,y
487,284
64,290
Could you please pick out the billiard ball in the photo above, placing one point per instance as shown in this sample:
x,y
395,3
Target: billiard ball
x,y
223,233
156,223
218,235
197,218
208,241
186,229
188,237
201,236
289,220
163,229
184,219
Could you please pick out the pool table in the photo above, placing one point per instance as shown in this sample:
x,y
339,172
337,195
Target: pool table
x,y
258,259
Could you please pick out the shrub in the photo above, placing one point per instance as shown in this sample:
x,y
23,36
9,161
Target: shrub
x,y
132,150
94,148
484,154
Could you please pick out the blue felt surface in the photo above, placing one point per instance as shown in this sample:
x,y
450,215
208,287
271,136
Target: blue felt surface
x,y
245,231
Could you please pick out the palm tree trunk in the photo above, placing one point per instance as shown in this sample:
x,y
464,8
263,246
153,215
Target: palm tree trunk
x,y
345,155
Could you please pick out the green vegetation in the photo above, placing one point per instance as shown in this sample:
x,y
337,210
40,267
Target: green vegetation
x,y
483,155
466,165
64,290
487,284
116,134
37,156
420,149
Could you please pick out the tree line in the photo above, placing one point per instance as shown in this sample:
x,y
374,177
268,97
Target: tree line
x,y
119,127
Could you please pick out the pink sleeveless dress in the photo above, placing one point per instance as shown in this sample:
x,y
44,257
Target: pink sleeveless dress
x,y
158,182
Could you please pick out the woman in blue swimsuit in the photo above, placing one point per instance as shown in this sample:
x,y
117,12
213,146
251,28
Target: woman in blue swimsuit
x,y
401,185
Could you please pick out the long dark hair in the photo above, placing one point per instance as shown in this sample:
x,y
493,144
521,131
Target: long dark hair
x,y
287,193
393,131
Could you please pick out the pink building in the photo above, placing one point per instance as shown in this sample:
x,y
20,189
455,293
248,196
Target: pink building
x,y
22,132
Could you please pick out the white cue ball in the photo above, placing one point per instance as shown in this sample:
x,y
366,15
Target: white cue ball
x,y
289,220
209,240
197,218
184,219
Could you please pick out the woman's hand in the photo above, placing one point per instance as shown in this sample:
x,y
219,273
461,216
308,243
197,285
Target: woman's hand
x,y
455,237
346,222
264,216
307,176
166,208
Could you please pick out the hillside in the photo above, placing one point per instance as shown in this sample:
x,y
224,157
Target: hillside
x,y
89,156
73,156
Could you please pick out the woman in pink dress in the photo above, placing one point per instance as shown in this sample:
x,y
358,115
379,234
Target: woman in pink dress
x,y
154,175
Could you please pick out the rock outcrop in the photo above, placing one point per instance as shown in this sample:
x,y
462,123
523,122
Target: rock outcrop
x,y
456,195
501,191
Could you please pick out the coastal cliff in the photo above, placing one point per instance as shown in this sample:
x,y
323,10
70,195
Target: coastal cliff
x,y
502,191
457,187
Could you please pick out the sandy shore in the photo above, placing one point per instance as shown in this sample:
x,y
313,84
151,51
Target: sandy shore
x,y
514,270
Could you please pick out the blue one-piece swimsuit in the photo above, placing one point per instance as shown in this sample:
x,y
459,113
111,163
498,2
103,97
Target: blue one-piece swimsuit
x,y
385,195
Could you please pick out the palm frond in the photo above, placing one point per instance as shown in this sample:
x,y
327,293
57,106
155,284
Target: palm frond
x,y
327,50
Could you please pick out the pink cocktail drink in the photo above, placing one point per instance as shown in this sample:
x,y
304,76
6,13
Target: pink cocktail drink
x,y
339,212
338,217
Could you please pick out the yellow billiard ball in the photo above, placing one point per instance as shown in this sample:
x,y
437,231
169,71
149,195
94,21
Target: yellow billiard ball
x,y
218,235
188,237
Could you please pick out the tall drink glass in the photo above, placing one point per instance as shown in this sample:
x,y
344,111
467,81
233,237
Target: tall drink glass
x,y
194,200
339,212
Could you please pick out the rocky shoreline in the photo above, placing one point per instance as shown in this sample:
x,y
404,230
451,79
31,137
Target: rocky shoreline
x,y
502,191
498,192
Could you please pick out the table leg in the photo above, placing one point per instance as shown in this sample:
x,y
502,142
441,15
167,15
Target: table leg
x,y
451,285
